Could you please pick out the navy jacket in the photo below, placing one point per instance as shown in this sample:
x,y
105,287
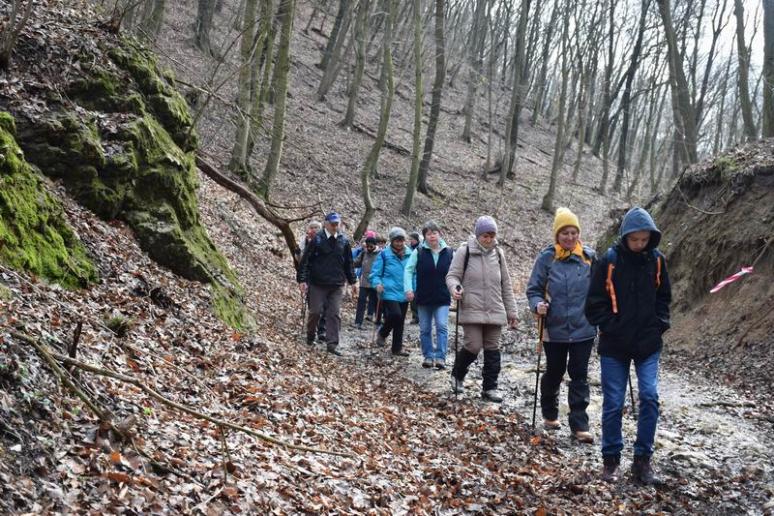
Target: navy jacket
x,y
630,293
566,283
327,262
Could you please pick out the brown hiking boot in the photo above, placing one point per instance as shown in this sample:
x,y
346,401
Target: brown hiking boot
x,y
642,471
551,424
610,468
583,437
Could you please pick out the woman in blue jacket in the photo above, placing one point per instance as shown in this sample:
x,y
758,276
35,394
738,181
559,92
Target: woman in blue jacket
x,y
557,291
387,278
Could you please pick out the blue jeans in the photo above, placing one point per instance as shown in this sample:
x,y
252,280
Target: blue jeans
x,y
426,315
615,376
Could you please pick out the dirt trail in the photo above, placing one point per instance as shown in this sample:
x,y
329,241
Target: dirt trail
x,y
709,447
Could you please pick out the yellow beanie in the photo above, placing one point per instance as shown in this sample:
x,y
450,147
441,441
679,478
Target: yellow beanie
x,y
563,218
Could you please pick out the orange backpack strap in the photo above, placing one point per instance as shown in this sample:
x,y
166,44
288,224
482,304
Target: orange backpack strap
x,y
658,271
610,287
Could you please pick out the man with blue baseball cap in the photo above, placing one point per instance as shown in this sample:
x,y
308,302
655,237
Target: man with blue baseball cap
x,y
325,268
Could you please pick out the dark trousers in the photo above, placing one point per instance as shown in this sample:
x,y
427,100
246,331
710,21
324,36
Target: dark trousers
x,y
394,319
365,296
557,354
325,302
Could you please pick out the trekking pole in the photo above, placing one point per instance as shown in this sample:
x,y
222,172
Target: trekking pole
x,y
376,319
303,313
631,394
457,337
541,323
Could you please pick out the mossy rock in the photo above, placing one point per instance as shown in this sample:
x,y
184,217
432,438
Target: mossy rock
x,y
129,155
34,234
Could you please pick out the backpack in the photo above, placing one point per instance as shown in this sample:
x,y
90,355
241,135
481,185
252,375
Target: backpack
x,y
612,260
467,258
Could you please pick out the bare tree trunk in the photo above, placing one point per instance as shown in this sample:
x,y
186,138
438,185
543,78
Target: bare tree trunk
x,y
369,167
238,163
517,96
744,73
260,93
11,29
334,62
626,100
285,14
361,26
341,15
475,59
685,116
545,55
152,23
204,15
411,187
558,159
435,102
717,145
768,69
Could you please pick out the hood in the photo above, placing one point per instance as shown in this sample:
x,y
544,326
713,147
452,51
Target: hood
x,y
441,244
638,219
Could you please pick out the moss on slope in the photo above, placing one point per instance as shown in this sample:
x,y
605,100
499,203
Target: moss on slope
x,y
34,234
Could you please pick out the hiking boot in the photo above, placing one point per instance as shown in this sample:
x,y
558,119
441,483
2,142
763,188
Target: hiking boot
x,y
551,424
427,363
321,337
583,437
457,385
440,363
310,340
414,320
380,341
333,351
492,395
610,468
369,318
400,353
642,472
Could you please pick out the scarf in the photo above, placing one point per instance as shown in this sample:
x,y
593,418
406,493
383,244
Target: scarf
x,y
560,253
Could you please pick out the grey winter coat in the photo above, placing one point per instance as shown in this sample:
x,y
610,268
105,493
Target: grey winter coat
x,y
365,261
487,296
564,284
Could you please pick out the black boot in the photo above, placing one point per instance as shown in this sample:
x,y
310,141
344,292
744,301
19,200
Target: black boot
x,y
490,372
610,467
642,472
461,364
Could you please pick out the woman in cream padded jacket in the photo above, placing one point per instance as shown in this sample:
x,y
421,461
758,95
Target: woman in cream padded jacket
x,y
485,303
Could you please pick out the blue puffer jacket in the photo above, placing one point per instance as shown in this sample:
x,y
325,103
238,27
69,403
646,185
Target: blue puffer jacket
x,y
388,270
566,282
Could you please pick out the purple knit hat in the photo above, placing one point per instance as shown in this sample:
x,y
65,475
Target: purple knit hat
x,y
485,224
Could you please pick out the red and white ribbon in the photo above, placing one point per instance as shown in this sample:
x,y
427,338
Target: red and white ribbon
x,y
731,279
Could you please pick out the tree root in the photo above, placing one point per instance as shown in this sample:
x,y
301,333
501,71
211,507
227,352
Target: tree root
x,y
52,358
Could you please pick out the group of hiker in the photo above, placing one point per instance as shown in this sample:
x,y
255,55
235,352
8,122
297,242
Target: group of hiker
x,y
620,298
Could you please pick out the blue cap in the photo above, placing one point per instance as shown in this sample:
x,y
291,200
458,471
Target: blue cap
x,y
333,217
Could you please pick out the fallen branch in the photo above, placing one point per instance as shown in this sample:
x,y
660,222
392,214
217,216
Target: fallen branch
x,y
49,357
256,202
392,146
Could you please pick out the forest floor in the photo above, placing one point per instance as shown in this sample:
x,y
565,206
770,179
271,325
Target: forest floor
x,y
413,447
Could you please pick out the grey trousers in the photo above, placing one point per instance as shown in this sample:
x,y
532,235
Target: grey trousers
x,y
325,302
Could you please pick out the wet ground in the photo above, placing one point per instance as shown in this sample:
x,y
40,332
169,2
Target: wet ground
x,y
709,448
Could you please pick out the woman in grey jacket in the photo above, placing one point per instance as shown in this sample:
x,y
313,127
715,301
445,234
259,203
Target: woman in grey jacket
x,y
478,279
557,291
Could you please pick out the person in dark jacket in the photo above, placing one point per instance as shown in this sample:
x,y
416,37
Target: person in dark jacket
x,y
312,228
557,291
424,281
413,243
326,266
628,300
367,296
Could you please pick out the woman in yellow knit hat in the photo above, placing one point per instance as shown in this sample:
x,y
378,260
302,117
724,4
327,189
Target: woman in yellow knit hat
x,y
557,291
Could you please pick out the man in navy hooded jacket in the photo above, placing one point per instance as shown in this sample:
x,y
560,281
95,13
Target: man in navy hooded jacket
x,y
628,300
